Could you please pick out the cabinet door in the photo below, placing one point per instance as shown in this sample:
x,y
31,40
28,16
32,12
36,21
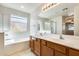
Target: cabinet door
x,y
37,46
57,53
43,42
45,51
73,52
60,48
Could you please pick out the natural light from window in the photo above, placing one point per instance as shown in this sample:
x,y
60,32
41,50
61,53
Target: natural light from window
x,y
18,30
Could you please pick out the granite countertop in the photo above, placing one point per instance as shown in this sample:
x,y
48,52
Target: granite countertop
x,y
68,40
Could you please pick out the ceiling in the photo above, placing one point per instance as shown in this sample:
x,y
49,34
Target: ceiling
x,y
30,7
58,10
25,7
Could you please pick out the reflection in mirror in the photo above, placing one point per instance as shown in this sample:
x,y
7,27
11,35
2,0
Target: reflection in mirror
x,y
46,27
38,25
66,17
68,25
53,27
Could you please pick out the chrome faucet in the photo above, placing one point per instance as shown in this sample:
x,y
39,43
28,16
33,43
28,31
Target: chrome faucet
x,y
41,34
61,37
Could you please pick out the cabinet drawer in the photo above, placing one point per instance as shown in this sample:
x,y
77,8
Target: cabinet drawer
x,y
56,47
60,48
50,44
57,53
46,51
73,52
43,42
37,40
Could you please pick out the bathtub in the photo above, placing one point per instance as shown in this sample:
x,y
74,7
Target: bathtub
x,y
13,41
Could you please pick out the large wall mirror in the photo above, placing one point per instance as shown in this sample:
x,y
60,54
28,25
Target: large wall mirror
x,y
64,19
47,26
59,25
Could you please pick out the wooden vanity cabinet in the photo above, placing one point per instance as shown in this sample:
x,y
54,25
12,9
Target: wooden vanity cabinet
x,y
59,50
43,47
37,46
46,51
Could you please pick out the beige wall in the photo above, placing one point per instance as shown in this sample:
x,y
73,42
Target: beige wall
x,y
76,20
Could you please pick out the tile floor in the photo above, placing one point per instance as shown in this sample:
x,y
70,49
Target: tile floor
x,y
24,53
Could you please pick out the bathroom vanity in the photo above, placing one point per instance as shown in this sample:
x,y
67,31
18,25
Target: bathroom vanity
x,y
54,46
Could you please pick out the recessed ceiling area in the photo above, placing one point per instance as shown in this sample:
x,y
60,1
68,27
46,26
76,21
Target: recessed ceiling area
x,y
25,7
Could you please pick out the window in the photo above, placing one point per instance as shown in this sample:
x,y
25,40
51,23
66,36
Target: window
x,y
18,24
18,30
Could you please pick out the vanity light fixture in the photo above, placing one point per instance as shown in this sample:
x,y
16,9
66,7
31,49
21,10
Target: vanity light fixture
x,y
48,6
